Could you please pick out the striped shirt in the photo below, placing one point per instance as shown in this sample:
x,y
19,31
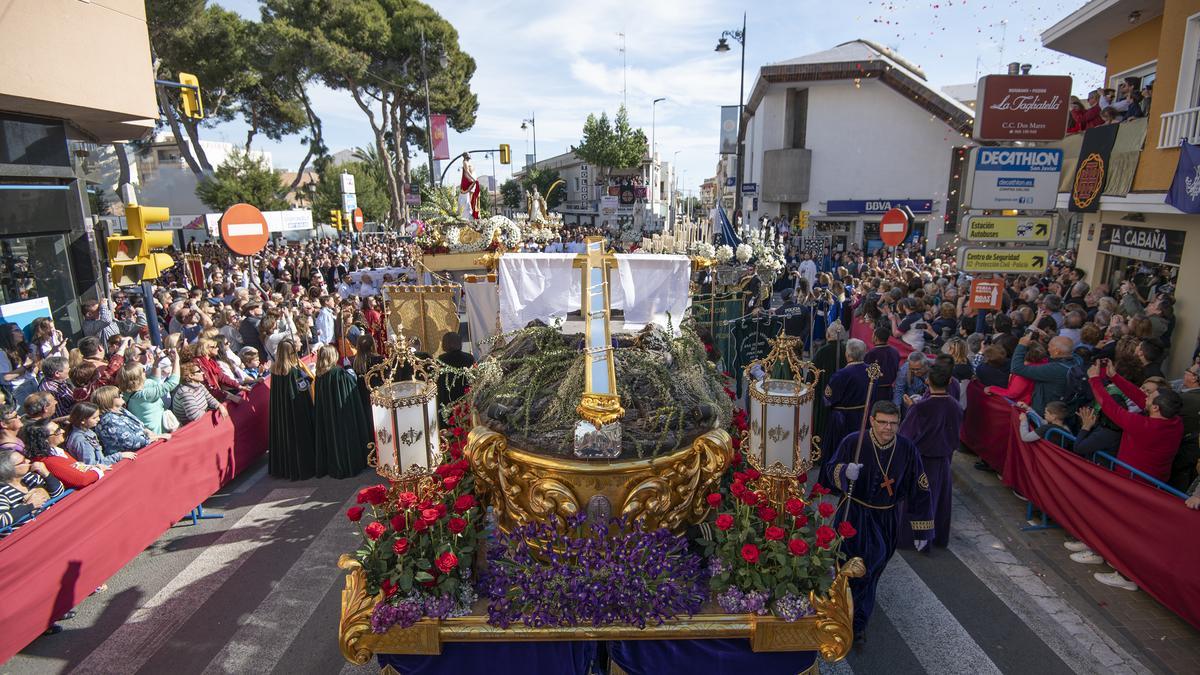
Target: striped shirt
x,y
190,401
12,501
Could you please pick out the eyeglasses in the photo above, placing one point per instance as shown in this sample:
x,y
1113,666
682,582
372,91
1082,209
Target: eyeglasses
x,y
886,423
58,432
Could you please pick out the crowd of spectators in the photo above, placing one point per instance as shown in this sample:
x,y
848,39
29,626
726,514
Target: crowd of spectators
x,y
1084,362
1130,100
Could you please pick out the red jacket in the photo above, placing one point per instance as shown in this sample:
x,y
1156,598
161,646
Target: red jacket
x,y
1019,388
1078,121
215,378
1147,444
69,472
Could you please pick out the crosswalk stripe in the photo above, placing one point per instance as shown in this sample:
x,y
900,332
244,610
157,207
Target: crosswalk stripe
x,y
265,636
1080,644
136,641
935,637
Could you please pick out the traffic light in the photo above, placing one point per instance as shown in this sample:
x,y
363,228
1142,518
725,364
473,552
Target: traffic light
x,y
505,154
135,256
335,219
189,96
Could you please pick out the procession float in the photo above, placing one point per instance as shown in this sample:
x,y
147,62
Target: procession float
x,y
595,484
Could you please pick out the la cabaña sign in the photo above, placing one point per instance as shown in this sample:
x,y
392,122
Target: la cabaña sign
x,y
1022,107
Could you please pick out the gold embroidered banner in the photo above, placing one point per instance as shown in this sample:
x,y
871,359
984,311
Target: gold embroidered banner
x,y
425,313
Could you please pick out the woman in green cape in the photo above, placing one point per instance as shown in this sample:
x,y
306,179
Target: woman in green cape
x,y
291,445
342,431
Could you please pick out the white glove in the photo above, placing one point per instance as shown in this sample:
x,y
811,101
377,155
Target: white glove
x,y
757,373
853,470
921,544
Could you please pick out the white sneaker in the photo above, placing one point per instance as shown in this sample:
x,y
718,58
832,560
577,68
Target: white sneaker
x,y
1087,557
1074,545
1115,580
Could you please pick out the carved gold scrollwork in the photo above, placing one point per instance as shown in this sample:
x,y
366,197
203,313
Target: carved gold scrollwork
x,y
835,612
356,613
483,451
550,497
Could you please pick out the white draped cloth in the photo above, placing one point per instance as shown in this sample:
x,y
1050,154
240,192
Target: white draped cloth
x,y
546,286
483,304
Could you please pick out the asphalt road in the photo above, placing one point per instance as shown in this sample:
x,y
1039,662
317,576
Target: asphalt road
x,y
258,592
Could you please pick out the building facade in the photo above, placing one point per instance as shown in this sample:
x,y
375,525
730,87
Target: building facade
x,y
845,134
67,97
1137,236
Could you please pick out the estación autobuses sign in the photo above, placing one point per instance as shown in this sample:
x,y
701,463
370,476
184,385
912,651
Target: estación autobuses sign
x,y
1022,107
1149,244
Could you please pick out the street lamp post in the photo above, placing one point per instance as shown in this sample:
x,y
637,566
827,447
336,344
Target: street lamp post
x,y
653,181
674,185
723,46
532,122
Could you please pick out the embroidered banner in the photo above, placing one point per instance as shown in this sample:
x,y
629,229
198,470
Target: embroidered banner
x,y
1185,189
1093,167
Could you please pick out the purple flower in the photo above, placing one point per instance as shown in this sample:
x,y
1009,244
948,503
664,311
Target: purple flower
x,y
756,602
791,607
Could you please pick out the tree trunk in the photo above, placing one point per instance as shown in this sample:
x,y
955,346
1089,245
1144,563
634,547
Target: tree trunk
x,y
193,131
316,140
400,113
394,195
168,107
123,162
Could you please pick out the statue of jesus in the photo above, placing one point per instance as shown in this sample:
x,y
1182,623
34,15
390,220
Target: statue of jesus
x,y
470,185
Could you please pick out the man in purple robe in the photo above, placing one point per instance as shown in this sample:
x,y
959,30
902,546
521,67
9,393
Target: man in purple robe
x,y
846,397
889,362
887,470
932,424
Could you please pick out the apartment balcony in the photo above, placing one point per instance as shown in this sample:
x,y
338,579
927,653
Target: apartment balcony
x,y
1179,126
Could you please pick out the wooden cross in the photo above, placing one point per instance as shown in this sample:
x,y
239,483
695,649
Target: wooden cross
x,y
887,484
600,404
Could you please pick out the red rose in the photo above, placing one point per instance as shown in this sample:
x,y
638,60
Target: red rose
x,y
767,513
774,533
406,499
375,530
451,482
430,515
826,509
739,477
440,507
801,520
752,473
458,431
737,458
424,504
749,498
464,503
819,489
442,470
447,561
846,529
825,534
374,495
457,525
802,478
738,488
420,525
797,547
794,507
750,553
724,521
401,546
354,513
399,522
714,499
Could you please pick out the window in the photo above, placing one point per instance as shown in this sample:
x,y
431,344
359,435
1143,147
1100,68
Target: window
x,y
1187,95
798,117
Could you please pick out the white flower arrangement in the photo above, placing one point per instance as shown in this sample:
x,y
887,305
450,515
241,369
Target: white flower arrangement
x,y
507,232
724,253
744,253
702,249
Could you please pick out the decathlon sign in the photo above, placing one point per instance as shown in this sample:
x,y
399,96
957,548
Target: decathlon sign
x,y
1015,178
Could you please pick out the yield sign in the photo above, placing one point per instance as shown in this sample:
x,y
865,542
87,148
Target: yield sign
x,y
893,227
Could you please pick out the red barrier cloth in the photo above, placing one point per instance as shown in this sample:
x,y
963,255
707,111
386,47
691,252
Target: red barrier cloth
x,y
901,346
1141,531
985,428
51,564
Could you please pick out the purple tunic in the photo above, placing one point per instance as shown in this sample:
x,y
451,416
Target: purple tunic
x,y
889,362
845,397
932,425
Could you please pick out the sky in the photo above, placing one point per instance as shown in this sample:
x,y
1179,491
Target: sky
x,y
557,62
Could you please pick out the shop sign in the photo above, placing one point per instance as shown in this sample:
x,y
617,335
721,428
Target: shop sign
x,y
1023,229
1149,244
877,206
1003,260
1022,107
1015,178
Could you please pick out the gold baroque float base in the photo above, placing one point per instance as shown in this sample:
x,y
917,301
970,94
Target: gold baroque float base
x,y
829,632
666,491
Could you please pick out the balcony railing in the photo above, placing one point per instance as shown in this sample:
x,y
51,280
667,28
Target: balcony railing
x,y
1178,126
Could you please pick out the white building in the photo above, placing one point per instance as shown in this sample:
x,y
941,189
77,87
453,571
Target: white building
x,y
584,185
846,134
